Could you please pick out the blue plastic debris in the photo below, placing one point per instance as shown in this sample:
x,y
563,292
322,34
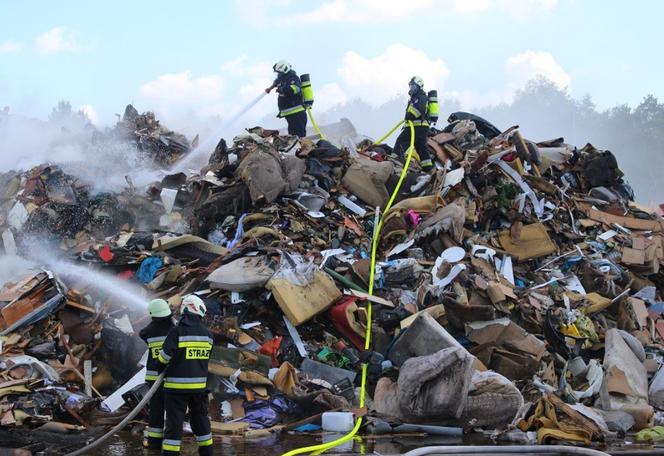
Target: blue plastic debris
x,y
148,269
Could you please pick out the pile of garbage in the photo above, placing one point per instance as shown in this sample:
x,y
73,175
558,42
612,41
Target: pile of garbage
x,y
144,132
517,290
52,336
46,203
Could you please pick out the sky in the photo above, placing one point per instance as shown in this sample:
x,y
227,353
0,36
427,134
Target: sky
x,y
187,60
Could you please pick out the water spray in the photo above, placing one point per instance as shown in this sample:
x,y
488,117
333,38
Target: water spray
x,y
213,138
251,104
120,290
40,252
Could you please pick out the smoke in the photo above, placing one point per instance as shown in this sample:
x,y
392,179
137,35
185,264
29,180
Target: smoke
x,y
28,142
69,141
542,109
13,268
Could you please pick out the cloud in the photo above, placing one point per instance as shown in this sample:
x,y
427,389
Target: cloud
x,y
361,11
176,96
522,9
329,96
384,11
377,79
180,98
173,92
257,12
251,77
10,47
527,65
58,40
518,69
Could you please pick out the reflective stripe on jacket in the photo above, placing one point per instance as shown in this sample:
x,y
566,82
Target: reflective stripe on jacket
x,y
154,334
416,110
186,352
289,88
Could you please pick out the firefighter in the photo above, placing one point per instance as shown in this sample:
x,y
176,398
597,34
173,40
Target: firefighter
x,y
290,102
154,335
416,111
186,352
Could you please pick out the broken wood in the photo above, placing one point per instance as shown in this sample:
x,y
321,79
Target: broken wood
x,y
229,428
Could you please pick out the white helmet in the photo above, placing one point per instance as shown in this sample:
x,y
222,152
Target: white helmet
x,y
193,304
418,81
282,66
159,308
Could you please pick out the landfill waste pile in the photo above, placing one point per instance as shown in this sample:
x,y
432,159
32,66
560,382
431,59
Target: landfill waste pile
x,y
156,142
517,290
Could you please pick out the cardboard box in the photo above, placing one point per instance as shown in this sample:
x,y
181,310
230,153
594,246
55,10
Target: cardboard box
x,y
633,256
534,242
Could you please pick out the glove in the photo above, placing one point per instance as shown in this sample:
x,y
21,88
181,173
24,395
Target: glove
x,y
269,89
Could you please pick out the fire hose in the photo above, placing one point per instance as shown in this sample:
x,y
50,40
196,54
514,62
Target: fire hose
x,y
91,446
374,247
315,125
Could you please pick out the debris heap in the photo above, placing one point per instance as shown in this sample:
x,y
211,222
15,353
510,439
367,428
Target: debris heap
x,y
154,141
517,292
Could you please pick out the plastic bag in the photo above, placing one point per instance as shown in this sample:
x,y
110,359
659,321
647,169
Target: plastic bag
x,y
295,269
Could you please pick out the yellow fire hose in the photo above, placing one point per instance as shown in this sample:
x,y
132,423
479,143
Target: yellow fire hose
x,y
389,133
315,125
317,449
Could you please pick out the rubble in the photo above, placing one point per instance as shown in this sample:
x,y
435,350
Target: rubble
x,y
517,289
157,142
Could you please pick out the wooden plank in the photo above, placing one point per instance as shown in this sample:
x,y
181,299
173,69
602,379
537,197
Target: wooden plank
x,y
256,433
230,428
368,297
80,306
19,309
626,222
22,287
437,312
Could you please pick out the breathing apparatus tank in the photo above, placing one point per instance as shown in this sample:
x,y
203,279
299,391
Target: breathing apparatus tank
x,y
432,106
307,90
